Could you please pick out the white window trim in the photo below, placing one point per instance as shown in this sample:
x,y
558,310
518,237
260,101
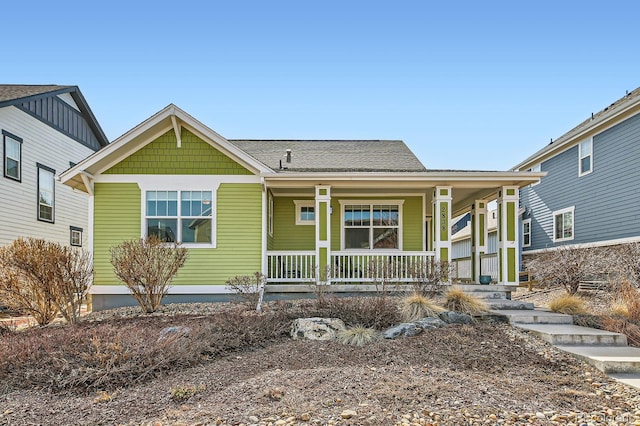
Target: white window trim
x,y
580,157
270,213
344,203
304,203
526,221
143,222
573,224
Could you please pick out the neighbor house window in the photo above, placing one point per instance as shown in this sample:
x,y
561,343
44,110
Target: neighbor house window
x,y
305,212
76,236
180,216
12,148
526,233
563,224
371,226
46,193
585,154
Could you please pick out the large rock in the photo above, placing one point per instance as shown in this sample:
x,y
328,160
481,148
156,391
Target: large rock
x,y
316,328
451,317
408,329
429,323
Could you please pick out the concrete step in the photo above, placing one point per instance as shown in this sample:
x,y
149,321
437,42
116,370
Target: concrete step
x,y
609,359
508,305
520,316
567,334
491,291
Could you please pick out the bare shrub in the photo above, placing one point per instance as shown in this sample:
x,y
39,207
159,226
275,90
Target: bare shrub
x,y
369,311
384,273
416,306
569,304
358,336
626,301
42,278
147,267
627,263
566,266
457,300
247,288
428,276
619,325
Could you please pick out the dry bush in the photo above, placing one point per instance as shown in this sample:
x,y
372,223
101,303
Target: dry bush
x,y
147,267
416,306
369,311
619,325
626,301
186,392
384,274
459,301
569,304
566,266
247,288
358,336
428,276
627,263
42,278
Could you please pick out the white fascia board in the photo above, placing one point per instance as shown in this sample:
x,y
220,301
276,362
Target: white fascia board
x,y
562,144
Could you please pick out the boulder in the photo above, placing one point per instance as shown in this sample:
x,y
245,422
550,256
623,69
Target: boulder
x,y
316,328
451,317
405,329
429,323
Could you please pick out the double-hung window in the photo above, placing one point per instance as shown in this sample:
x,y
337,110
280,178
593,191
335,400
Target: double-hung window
x,y
526,233
180,216
563,227
12,149
46,193
585,155
371,226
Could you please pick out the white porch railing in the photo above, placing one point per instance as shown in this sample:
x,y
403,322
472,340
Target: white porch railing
x,y
461,269
291,266
489,265
346,267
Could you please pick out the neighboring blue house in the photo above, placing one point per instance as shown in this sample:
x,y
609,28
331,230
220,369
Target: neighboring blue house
x,y
591,194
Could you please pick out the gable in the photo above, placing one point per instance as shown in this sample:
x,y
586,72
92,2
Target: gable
x,y
163,157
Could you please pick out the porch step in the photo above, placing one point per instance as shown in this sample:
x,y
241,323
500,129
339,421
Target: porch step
x,y
608,359
500,292
522,316
567,334
503,305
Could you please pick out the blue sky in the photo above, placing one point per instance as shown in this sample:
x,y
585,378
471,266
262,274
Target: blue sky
x,y
466,84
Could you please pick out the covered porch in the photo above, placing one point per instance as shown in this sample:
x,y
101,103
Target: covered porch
x,y
368,229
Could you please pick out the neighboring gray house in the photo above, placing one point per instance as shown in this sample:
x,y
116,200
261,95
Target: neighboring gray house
x,y
45,130
590,196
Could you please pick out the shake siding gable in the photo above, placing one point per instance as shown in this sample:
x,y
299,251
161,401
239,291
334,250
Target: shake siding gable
x,y
606,201
193,157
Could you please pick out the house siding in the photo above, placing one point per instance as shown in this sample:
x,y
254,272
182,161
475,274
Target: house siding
x,y
47,146
605,207
193,157
239,223
286,234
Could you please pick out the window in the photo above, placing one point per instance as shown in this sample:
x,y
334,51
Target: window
x,y
46,193
305,212
526,233
76,236
563,225
585,155
180,216
12,148
371,226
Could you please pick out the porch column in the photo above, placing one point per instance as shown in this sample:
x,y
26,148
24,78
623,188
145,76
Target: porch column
x,y
508,235
442,223
323,233
479,237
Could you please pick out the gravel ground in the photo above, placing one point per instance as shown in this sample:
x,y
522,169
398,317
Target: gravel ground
x,y
483,374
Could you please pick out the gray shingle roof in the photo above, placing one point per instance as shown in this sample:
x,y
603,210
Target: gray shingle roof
x,y
9,92
333,155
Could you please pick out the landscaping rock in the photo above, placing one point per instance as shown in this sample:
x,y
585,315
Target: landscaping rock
x,y
316,328
405,329
451,317
429,323
178,331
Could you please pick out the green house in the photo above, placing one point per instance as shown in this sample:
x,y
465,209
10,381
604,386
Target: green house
x,y
299,211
